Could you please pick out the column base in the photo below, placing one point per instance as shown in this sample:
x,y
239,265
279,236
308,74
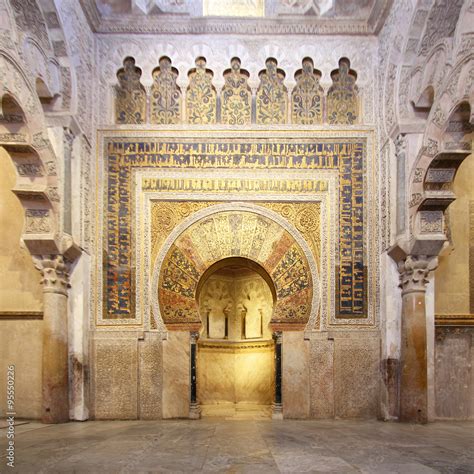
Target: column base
x,y
277,411
194,411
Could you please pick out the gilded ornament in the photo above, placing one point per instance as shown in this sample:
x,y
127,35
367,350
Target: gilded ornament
x,y
307,220
165,104
130,102
307,95
201,95
272,95
342,102
236,96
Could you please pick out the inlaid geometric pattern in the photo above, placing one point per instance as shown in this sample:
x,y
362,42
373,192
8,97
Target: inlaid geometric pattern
x,y
344,155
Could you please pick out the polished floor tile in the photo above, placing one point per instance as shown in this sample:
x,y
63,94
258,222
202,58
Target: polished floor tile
x,y
242,446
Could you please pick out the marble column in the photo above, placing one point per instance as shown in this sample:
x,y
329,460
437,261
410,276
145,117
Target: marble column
x,y
414,273
55,405
194,408
277,406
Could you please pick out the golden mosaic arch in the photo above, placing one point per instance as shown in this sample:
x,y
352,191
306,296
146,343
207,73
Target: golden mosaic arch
x,y
234,233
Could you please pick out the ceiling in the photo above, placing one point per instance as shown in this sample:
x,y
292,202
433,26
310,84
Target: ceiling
x,y
237,16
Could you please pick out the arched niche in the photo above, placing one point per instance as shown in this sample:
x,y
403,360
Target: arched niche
x,y
236,298
221,233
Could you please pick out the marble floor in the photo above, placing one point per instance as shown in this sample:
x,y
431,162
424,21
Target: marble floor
x,y
233,445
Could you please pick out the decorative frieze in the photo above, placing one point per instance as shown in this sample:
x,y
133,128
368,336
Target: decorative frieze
x,y
440,175
418,175
13,138
38,221
415,199
29,169
235,105
431,147
431,222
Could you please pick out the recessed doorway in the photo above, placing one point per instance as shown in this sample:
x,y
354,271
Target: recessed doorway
x,y
235,363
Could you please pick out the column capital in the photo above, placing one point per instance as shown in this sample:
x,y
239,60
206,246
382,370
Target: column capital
x,y
194,335
400,145
414,271
54,273
278,337
68,138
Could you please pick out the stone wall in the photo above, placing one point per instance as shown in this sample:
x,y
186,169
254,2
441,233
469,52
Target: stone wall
x,y
20,303
454,374
140,376
454,277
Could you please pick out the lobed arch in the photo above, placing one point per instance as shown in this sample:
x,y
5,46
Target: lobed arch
x,y
241,261
448,142
184,260
44,51
23,135
42,66
427,99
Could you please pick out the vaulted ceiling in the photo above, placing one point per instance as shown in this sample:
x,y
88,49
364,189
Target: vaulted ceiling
x,y
237,16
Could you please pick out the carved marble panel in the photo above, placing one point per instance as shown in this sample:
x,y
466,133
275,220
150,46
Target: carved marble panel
x,y
38,221
431,222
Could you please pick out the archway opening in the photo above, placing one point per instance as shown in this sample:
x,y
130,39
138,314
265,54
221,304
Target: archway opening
x,y
454,293
235,367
